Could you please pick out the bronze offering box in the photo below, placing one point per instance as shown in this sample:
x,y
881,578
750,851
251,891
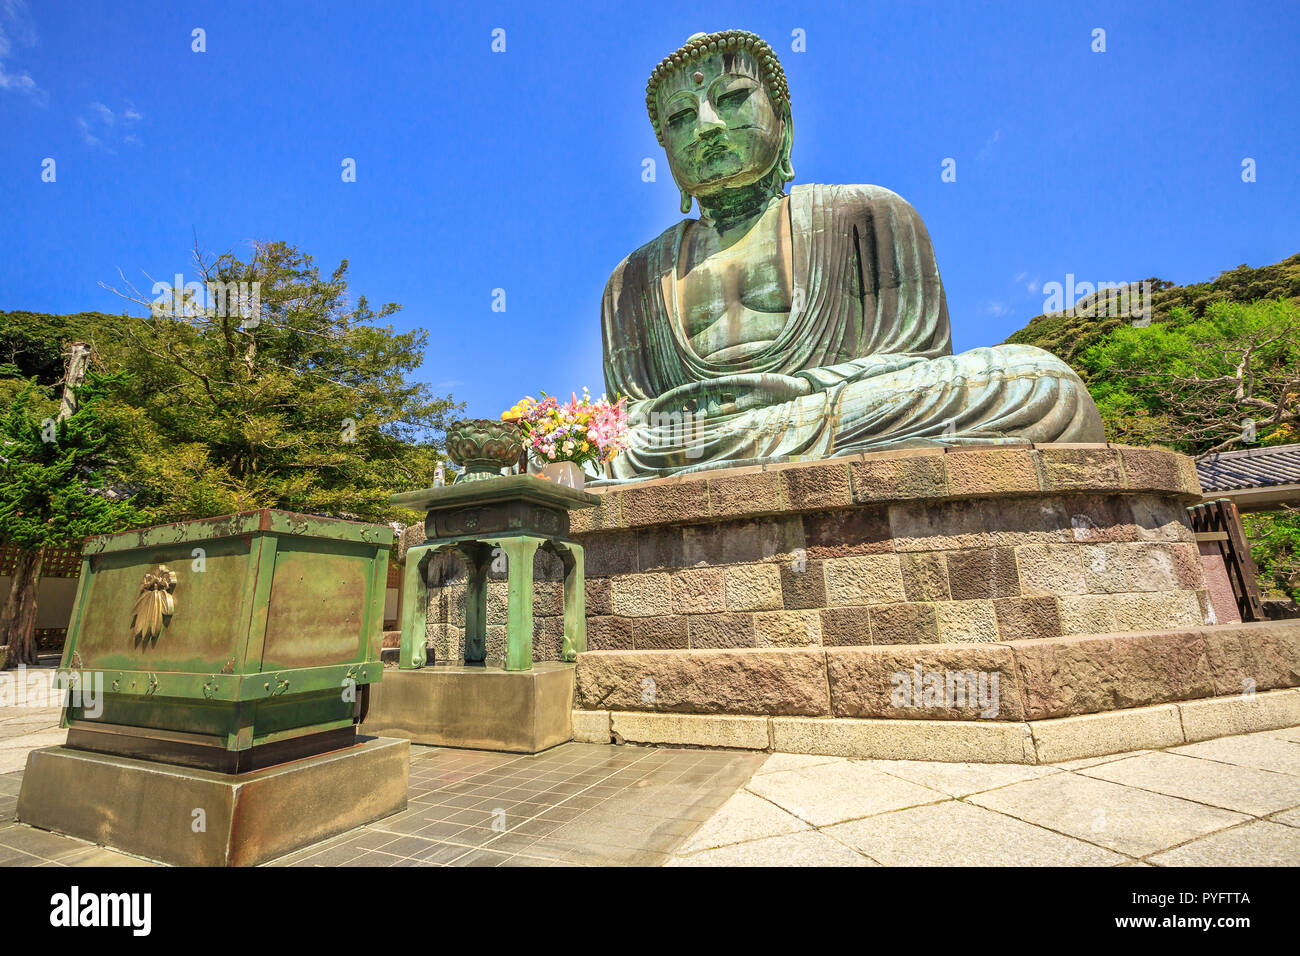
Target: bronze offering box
x,y
229,644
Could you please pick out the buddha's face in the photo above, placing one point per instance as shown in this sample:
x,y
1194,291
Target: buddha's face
x,y
721,129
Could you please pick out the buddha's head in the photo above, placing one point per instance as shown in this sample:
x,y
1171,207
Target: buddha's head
x,y
721,110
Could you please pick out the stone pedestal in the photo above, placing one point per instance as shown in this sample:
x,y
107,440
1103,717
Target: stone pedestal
x,y
969,603
480,708
194,817
969,544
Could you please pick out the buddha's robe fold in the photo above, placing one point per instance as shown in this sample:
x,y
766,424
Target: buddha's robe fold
x,y
867,339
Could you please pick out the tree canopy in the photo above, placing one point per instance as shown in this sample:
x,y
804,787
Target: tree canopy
x,y
299,400
1229,378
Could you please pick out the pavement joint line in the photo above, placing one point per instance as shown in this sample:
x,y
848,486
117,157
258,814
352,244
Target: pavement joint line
x,y
973,793
1178,796
1277,813
1251,818
1226,763
1061,833
1202,836
930,803
836,839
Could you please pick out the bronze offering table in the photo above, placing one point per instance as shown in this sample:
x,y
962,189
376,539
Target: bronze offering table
x,y
484,521
519,708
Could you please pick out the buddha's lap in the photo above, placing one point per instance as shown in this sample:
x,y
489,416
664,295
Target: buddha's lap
x,y
981,370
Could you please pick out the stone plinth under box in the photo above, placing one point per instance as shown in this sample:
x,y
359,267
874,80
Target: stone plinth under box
x,y
149,809
481,708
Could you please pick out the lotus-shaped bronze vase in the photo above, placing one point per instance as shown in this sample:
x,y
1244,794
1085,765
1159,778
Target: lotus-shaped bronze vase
x,y
483,446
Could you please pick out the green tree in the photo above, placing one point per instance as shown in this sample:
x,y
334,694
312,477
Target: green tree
x,y
291,398
1275,546
1225,379
55,489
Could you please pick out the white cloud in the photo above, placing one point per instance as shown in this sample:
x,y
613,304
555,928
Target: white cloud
x,y
105,128
16,28
89,138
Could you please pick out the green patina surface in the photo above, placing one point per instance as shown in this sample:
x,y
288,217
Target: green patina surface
x,y
483,446
513,517
795,325
276,615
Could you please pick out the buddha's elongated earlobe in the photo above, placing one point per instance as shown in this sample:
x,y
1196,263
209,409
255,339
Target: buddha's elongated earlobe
x,y
785,169
686,201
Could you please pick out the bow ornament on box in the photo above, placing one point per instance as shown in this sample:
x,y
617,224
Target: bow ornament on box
x,y
153,604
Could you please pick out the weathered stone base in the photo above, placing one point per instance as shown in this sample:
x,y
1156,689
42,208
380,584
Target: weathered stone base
x,y
1032,679
481,708
962,545
956,741
1014,701
202,818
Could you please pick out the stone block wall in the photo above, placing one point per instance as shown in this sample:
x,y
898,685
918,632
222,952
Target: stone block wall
x,y
1037,679
941,546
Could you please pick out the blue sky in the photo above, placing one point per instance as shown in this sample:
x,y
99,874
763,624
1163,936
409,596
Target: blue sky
x,y
522,170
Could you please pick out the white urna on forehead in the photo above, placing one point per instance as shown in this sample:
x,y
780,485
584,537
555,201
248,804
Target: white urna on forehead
x,y
697,74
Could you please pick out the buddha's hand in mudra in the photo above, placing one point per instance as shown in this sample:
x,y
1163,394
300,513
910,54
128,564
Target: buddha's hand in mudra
x,y
729,395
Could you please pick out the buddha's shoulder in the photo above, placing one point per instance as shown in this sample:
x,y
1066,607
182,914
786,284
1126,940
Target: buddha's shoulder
x,y
656,252
860,196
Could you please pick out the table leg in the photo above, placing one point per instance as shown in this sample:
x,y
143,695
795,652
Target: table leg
x,y
519,586
477,557
575,601
415,609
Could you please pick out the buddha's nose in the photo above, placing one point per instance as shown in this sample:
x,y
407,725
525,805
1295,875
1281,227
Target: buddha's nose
x,y
709,121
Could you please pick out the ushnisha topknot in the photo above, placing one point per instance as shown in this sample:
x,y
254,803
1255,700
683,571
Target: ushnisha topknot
x,y
703,44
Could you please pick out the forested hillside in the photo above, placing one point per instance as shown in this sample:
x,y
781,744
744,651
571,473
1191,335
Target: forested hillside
x,y
1217,368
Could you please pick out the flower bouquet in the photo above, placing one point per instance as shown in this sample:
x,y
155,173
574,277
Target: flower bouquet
x,y
579,432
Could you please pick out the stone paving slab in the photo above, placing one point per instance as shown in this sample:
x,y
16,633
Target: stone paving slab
x,y
810,848
1263,751
743,818
781,762
24,725
1117,817
1226,802
1291,818
833,793
961,779
1258,843
961,834
1244,789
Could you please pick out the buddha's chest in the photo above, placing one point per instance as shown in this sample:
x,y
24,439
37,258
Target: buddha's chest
x,y
735,299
